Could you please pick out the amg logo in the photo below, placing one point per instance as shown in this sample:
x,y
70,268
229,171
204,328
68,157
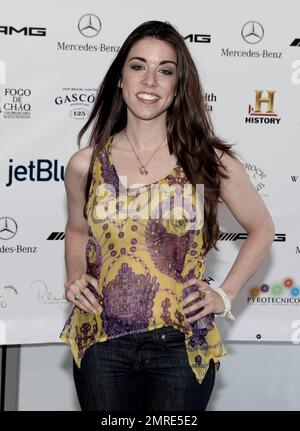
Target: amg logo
x,y
296,42
54,236
26,31
280,237
234,236
198,38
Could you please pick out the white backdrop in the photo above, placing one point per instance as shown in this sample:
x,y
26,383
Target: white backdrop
x,y
50,67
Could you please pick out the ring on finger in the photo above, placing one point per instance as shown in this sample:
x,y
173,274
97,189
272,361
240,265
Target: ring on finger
x,y
76,297
201,294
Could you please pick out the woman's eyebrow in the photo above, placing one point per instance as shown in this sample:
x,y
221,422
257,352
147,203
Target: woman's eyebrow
x,y
145,61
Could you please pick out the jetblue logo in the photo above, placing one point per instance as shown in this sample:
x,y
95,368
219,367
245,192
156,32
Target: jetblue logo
x,y
39,170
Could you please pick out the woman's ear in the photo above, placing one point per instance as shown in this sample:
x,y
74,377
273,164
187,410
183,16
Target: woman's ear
x,y
120,84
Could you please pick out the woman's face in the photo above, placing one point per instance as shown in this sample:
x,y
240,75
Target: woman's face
x,y
149,78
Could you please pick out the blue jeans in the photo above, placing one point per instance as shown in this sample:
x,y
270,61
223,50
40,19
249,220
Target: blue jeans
x,y
141,372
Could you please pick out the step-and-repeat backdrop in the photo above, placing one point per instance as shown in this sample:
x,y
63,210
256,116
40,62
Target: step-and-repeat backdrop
x,y
53,55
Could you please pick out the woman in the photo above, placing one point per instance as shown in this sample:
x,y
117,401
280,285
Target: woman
x,y
142,328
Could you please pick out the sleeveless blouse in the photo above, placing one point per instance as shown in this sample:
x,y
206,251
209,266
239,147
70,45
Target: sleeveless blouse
x,y
141,263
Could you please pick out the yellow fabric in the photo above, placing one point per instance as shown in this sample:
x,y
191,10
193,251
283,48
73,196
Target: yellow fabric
x,y
131,258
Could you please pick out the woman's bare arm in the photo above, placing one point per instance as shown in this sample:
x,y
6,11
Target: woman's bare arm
x,y
76,233
247,206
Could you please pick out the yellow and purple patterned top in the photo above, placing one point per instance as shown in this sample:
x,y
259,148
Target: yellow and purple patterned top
x,y
140,263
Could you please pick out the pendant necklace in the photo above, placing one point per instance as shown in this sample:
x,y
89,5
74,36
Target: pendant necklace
x,y
142,167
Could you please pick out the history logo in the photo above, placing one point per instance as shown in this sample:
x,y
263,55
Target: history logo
x,y
263,111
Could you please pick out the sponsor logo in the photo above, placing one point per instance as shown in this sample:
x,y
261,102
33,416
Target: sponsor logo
x,y
252,33
55,236
210,99
102,47
296,42
77,101
8,230
24,31
263,112
6,293
198,38
16,103
89,25
19,249
234,236
258,177
79,114
46,296
286,292
39,170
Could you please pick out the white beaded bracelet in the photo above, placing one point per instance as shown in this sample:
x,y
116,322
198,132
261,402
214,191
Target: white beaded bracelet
x,y
227,303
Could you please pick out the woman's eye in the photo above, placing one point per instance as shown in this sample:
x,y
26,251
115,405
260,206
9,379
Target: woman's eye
x,y
136,67
166,71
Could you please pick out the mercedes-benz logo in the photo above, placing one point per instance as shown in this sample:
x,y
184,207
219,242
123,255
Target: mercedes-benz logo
x,y
8,228
252,32
89,25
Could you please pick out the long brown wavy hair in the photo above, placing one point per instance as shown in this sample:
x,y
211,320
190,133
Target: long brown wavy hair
x,y
190,131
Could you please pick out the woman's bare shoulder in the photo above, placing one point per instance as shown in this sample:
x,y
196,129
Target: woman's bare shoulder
x,y
79,162
229,162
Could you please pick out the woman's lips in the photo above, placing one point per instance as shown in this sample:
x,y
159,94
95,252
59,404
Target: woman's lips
x,y
147,98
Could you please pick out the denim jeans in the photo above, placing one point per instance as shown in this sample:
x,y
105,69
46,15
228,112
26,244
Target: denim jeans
x,y
141,372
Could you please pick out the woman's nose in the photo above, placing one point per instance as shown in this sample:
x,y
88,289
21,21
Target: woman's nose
x,y
149,78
